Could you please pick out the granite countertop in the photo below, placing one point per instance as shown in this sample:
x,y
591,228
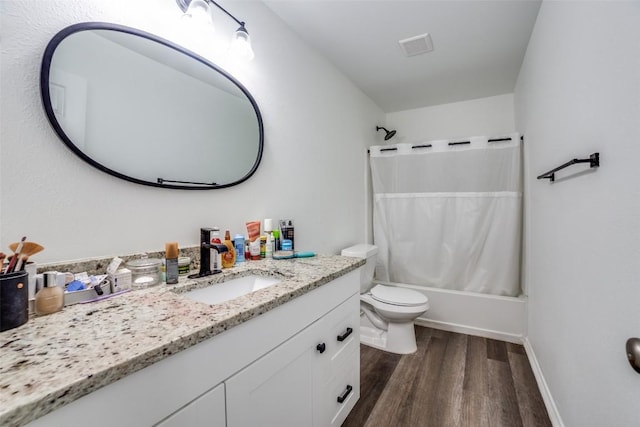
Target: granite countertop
x,y
53,360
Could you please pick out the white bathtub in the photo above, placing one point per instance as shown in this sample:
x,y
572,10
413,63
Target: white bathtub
x,y
491,316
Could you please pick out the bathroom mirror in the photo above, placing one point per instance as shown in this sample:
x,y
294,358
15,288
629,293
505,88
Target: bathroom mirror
x,y
143,109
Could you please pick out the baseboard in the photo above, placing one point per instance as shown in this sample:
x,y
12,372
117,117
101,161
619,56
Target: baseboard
x,y
549,403
470,330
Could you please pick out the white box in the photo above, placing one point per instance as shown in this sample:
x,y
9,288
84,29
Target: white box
x,y
121,280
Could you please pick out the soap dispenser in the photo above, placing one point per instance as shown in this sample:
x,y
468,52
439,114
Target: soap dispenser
x,y
50,298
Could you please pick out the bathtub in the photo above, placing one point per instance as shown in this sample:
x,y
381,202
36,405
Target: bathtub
x,y
490,316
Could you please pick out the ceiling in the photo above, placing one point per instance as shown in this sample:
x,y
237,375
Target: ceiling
x,y
478,45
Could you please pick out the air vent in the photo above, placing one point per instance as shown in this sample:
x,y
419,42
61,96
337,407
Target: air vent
x,y
416,45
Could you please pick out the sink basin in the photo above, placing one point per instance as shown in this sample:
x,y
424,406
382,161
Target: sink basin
x,y
225,291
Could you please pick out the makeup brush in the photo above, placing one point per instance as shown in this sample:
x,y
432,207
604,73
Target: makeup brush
x,y
14,258
28,248
2,257
22,261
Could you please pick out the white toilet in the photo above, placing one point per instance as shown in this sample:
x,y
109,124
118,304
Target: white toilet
x,y
387,312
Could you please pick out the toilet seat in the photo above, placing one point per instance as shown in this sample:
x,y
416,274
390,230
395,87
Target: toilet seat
x,y
398,296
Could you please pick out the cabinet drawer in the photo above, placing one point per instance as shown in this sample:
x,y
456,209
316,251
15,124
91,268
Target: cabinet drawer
x,y
340,329
338,395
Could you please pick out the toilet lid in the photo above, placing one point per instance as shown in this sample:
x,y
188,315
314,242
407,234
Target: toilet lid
x,y
398,296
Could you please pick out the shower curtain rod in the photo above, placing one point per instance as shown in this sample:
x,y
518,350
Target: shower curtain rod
x,y
451,143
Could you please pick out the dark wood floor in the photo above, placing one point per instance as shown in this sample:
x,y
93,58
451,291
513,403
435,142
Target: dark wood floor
x,y
452,380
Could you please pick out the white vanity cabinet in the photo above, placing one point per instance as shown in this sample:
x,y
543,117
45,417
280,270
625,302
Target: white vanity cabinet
x,y
206,411
267,371
310,380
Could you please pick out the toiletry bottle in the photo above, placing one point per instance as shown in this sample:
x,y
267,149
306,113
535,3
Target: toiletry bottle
x,y
238,242
268,225
269,245
171,256
268,230
229,257
216,261
50,298
276,240
286,231
254,250
263,247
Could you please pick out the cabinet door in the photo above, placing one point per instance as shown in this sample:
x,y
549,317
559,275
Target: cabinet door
x,y
337,377
207,410
277,389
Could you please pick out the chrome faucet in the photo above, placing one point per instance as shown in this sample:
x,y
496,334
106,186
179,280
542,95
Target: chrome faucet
x,y
205,253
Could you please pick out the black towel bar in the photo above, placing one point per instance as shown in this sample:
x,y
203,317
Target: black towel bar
x,y
593,160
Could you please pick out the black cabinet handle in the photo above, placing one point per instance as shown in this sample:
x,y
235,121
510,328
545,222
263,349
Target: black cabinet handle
x,y
321,347
345,335
344,395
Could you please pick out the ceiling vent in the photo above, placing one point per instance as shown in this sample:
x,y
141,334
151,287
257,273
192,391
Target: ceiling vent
x,y
416,45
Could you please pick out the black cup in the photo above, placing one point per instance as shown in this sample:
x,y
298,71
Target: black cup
x,y
14,300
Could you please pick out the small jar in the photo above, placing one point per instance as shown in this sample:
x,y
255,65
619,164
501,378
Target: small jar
x,y
184,265
145,272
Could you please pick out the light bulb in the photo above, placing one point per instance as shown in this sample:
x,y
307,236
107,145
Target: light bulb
x,y
199,12
241,44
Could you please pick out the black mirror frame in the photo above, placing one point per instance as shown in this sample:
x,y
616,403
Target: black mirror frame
x,y
46,100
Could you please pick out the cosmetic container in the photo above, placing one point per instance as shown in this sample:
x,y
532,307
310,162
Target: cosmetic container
x,y
50,298
171,257
184,265
145,272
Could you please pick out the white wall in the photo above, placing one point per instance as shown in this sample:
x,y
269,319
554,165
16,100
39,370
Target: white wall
x,y
579,92
317,125
485,116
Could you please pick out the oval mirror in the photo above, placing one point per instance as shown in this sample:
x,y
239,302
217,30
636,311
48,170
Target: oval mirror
x,y
146,110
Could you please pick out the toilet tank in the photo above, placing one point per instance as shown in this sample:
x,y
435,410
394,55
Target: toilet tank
x,y
369,253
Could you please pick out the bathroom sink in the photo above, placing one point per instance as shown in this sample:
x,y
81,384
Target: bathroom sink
x,y
234,288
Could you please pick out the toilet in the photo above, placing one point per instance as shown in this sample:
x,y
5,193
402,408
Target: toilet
x,y
387,312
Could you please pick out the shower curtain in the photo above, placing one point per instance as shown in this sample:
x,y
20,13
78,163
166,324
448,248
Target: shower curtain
x,y
449,214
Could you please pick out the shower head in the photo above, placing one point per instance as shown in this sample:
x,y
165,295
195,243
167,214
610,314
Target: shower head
x,y
389,135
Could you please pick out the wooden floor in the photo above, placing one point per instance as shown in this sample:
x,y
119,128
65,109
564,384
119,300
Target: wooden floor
x,y
452,380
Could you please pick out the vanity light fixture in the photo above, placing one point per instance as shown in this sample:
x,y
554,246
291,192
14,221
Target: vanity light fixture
x,y
201,11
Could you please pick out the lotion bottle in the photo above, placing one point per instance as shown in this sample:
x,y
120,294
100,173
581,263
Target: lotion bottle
x,y
50,298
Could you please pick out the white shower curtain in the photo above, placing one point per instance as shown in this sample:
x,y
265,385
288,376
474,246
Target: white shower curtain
x,y
449,216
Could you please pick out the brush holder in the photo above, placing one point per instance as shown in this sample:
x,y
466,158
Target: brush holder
x,y
14,300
